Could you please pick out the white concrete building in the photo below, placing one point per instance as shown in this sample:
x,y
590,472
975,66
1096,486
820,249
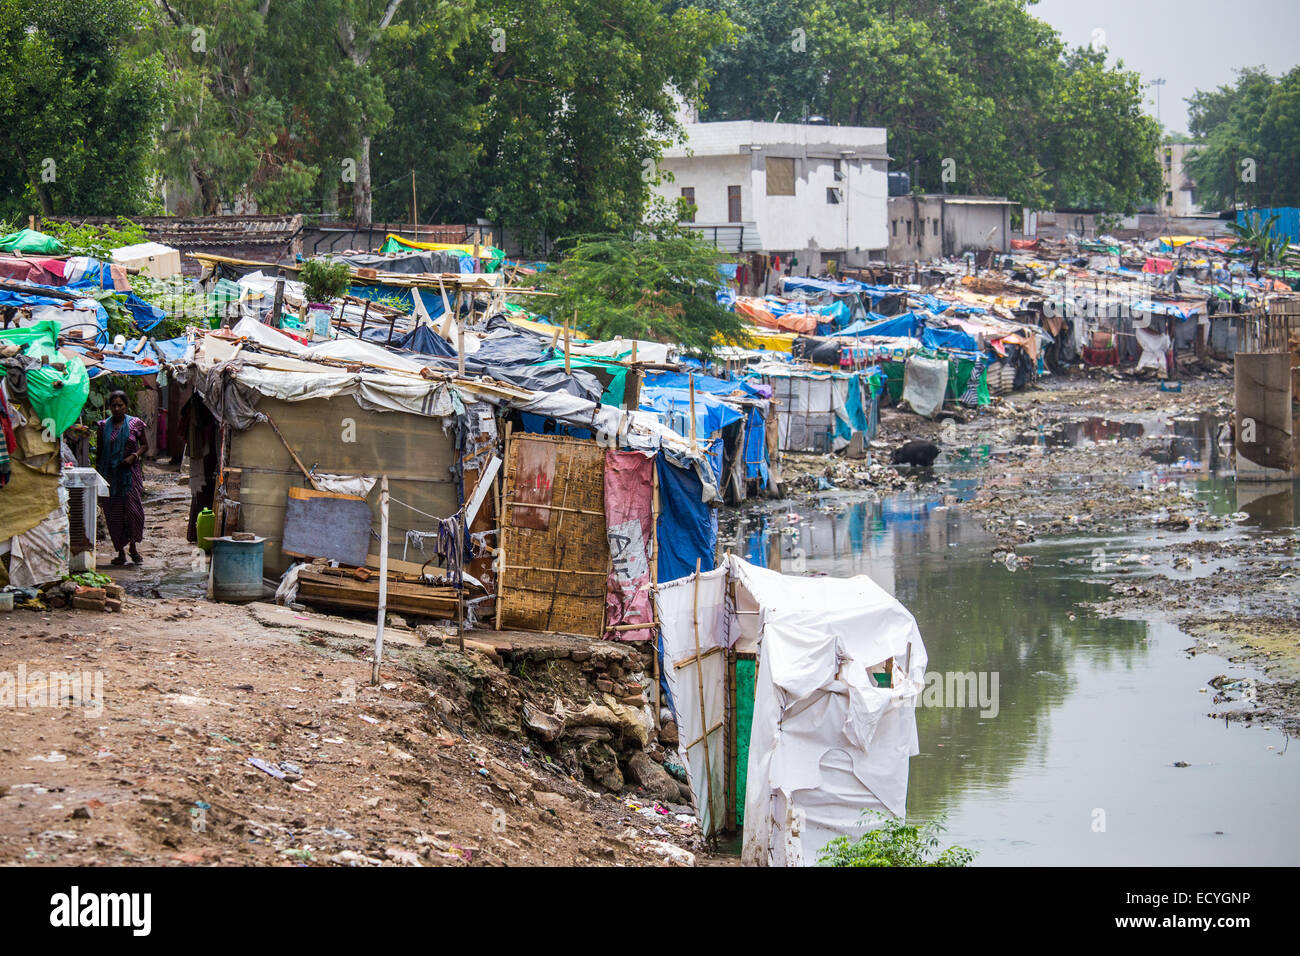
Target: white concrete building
x,y
816,192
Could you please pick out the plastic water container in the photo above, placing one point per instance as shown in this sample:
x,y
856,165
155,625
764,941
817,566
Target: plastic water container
x,y
204,525
236,570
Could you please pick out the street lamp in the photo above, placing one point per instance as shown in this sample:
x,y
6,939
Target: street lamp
x,y
1157,83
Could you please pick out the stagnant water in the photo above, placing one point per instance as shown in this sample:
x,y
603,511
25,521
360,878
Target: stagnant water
x,y
1077,766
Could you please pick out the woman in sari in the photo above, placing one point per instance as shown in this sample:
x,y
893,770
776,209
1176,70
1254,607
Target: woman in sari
x,y
122,445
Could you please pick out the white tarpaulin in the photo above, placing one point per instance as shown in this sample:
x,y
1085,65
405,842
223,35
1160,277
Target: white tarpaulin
x,y
1154,347
826,742
925,381
680,605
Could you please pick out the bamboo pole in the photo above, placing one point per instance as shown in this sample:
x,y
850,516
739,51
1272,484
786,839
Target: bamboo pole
x,y
731,749
699,682
292,454
442,291
415,209
692,384
460,584
564,544
567,340
383,579
654,580
503,524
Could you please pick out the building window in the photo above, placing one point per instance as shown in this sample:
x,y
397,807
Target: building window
x,y
909,230
733,204
833,195
1169,198
935,224
838,171
894,223
688,197
780,176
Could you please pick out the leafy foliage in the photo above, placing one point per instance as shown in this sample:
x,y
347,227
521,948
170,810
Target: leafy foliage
x,y
98,241
769,68
79,107
325,279
895,843
1264,245
1251,135
656,287
577,103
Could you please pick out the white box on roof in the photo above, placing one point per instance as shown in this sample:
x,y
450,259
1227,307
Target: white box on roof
x,y
151,258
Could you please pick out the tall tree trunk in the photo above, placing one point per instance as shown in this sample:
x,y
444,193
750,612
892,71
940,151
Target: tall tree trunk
x,y
361,199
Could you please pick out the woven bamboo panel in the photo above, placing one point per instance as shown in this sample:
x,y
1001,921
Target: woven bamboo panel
x,y
554,579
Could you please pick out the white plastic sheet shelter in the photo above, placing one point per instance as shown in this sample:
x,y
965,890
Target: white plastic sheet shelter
x,y
810,405
826,742
925,382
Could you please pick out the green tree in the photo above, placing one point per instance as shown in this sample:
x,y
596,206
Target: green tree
x,y
579,102
1098,148
79,108
437,120
768,68
230,134
1250,130
657,286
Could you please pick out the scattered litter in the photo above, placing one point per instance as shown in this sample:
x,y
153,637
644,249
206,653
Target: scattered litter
x,y
266,768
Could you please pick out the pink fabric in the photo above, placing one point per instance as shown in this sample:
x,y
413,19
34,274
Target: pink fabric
x,y
43,271
629,489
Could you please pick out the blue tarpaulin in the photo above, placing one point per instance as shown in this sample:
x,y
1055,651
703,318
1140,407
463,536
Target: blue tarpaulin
x,y
1288,220
426,341
907,325
33,293
687,527
401,297
711,416
953,340
797,284
756,446
703,383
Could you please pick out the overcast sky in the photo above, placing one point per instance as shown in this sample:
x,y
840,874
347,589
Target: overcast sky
x,y
1192,44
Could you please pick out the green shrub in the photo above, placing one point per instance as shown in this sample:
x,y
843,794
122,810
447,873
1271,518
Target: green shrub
x,y
325,280
895,843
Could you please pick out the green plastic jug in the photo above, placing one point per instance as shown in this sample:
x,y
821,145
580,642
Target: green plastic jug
x,y
204,526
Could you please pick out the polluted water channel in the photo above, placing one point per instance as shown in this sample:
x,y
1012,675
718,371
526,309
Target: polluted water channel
x,y
1087,740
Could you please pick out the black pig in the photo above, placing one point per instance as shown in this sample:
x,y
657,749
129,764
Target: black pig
x,y
919,453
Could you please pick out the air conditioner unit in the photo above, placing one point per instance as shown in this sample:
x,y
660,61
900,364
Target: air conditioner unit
x,y
84,485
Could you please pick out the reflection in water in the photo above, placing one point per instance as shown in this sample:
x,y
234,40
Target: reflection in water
x,y
1090,709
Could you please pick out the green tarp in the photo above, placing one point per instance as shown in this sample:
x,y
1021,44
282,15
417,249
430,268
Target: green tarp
x,y
746,675
30,242
959,371
56,397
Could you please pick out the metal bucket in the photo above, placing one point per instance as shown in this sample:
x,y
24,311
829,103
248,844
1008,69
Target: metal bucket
x,y
236,570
